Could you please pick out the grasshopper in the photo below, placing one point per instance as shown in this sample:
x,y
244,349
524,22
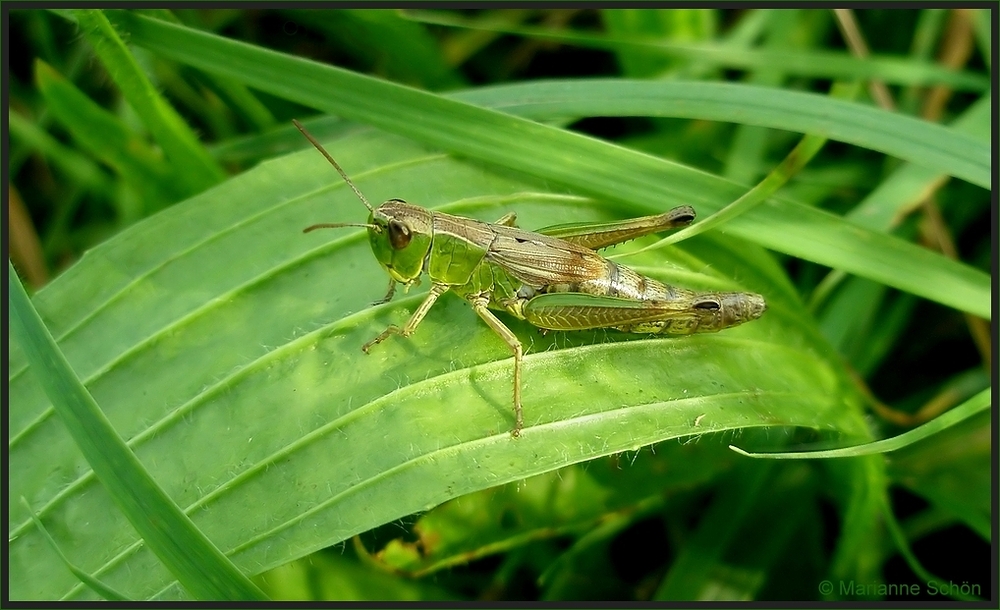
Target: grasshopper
x,y
553,277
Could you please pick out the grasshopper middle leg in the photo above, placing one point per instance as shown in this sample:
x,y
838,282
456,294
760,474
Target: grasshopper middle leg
x,y
479,304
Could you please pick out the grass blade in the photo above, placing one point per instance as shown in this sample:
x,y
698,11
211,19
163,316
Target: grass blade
x,y
194,167
95,585
979,402
815,64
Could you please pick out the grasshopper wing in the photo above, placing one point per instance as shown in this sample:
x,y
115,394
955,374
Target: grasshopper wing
x,y
540,260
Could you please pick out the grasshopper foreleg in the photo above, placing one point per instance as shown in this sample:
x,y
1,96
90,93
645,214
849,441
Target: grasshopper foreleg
x,y
479,304
388,295
411,325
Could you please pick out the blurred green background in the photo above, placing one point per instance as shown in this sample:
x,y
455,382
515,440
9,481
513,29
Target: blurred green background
x,y
678,520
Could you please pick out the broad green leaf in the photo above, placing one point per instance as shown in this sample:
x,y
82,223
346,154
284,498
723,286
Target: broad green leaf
x,y
225,346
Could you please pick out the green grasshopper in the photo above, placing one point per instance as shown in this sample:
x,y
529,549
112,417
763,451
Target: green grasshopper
x,y
553,278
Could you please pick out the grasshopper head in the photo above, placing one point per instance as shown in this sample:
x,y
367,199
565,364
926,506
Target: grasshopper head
x,y
400,236
399,233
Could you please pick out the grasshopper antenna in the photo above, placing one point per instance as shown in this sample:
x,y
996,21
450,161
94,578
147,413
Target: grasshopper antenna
x,y
343,175
337,225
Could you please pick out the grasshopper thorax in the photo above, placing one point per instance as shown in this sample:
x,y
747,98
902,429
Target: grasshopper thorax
x,y
400,235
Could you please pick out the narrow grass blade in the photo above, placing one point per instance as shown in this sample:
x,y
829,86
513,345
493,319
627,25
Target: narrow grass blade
x,y
800,156
95,585
977,403
107,138
805,150
690,572
815,64
921,142
79,167
903,545
195,168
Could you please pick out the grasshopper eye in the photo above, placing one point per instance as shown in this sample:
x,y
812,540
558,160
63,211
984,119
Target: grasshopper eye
x,y
707,305
399,235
